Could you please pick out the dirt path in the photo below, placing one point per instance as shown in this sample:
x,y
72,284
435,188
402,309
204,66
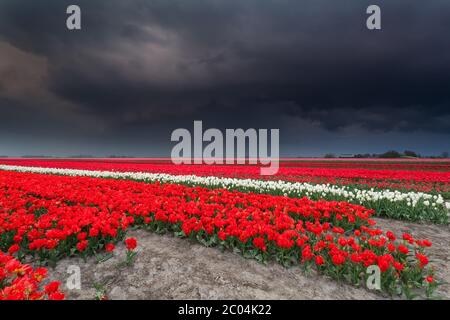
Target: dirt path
x,y
172,268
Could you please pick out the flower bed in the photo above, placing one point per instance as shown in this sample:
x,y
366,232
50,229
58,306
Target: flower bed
x,y
413,206
51,217
430,177
21,282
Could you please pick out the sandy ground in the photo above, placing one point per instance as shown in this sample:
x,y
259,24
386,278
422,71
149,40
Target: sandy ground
x,y
170,268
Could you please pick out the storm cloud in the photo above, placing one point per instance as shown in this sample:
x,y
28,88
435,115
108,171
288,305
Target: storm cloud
x,y
138,69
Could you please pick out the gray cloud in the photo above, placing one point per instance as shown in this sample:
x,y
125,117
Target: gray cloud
x,y
142,63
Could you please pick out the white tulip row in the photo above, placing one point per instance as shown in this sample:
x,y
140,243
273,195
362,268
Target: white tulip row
x,y
284,187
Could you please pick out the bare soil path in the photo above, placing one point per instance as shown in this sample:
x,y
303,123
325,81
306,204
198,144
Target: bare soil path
x,y
170,268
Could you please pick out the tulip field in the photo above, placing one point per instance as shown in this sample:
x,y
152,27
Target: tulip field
x,y
317,215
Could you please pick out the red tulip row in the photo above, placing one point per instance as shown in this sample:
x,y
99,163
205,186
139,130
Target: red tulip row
x,y
414,180
21,282
444,165
56,216
378,164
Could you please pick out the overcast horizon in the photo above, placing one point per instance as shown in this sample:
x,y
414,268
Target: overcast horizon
x,y
137,70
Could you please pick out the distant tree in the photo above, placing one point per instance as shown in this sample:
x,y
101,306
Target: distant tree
x,y
330,155
444,155
390,154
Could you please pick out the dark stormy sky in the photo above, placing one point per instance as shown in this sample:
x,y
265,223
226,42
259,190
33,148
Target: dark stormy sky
x,y
139,69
